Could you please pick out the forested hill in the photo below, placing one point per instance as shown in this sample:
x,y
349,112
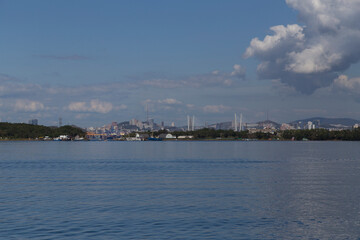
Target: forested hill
x,y
26,131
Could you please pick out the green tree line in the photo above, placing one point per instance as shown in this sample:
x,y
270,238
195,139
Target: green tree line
x,y
209,133
322,134
314,134
26,131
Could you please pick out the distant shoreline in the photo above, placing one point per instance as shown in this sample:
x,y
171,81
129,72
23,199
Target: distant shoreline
x,y
182,140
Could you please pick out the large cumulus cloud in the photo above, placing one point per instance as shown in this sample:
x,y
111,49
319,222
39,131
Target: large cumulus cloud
x,y
311,56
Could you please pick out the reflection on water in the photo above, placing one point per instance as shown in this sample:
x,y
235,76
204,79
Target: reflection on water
x,y
179,190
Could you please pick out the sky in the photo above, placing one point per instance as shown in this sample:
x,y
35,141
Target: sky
x,y
95,62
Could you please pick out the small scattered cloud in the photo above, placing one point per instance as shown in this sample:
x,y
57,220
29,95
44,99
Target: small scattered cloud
x,y
94,105
100,107
166,101
167,104
23,105
215,108
350,85
169,101
239,71
78,107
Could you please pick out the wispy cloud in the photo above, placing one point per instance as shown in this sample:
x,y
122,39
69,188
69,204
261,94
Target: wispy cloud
x,y
167,104
74,57
214,79
6,78
216,108
170,101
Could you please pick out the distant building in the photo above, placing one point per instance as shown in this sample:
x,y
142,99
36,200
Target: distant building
x,y
185,137
142,136
33,122
310,125
167,136
286,126
133,122
151,123
190,123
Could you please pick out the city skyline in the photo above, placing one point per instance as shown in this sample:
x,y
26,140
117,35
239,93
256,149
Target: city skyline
x,y
93,62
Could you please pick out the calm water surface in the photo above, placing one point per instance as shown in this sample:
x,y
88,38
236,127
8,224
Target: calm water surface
x,y
179,190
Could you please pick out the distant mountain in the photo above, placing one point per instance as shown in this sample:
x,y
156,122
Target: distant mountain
x,y
343,123
221,126
328,122
268,123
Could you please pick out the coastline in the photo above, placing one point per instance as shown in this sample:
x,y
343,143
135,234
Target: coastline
x,y
182,140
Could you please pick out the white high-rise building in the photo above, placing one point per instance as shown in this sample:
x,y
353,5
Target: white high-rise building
x,y
235,123
240,123
310,125
190,123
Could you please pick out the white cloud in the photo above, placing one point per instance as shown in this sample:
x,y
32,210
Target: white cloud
x,y
100,107
170,101
291,35
94,105
327,15
78,107
310,56
28,105
216,108
312,60
238,72
345,84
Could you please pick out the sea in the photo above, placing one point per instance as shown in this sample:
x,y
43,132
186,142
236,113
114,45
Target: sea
x,y
180,190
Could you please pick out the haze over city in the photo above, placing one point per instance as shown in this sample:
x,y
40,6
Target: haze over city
x,y
94,62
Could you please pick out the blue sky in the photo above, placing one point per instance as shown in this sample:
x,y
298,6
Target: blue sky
x,y
94,62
